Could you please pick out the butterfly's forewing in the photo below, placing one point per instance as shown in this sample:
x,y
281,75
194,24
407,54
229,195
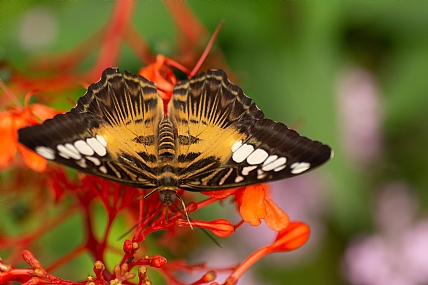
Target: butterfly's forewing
x,y
110,133
224,141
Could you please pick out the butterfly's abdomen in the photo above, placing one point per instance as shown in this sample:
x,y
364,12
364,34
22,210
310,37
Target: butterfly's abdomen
x,y
166,140
167,176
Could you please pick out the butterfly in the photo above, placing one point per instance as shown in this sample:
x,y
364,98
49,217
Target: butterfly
x,y
211,136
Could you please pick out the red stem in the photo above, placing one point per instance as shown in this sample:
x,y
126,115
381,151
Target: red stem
x,y
246,264
207,50
122,15
10,94
207,202
186,21
69,256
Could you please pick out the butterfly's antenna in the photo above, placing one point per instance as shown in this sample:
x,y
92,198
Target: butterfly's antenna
x,y
152,216
204,230
185,211
130,230
211,238
150,193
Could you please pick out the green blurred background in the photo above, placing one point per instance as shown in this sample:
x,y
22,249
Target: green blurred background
x,y
350,74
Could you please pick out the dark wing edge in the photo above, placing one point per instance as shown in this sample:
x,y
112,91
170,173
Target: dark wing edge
x,y
117,99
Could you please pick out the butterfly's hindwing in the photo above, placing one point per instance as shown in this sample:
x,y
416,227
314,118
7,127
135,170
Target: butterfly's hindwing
x,y
110,133
224,141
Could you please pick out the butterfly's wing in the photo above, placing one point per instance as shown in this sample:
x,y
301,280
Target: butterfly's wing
x,y
224,141
110,133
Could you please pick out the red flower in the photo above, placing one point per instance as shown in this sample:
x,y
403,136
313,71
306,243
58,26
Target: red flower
x,y
160,73
293,237
254,203
14,119
220,227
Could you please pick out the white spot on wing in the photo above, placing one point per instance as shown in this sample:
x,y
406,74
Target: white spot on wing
x,y
102,140
257,157
242,153
270,159
275,164
83,147
97,146
114,170
72,148
103,169
236,146
95,160
223,179
125,159
299,167
260,174
64,155
67,153
246,170
46,152
82,163
280,168
239,179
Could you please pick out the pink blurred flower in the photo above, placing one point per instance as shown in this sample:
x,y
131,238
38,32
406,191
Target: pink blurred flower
x,y
360,116
396,254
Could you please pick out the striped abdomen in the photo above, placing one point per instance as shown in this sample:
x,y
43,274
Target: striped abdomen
x,y
167,176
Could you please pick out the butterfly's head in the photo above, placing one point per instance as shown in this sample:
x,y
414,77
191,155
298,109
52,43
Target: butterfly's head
x,y
167,196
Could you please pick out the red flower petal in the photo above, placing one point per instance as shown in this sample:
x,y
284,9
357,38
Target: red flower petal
x,y
10,123
32,159
276,218
153,73
8,139
221,194
43,112
220,227
251,203
294,236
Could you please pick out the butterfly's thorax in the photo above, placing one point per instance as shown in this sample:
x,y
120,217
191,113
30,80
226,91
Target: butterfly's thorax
x,y
167,162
